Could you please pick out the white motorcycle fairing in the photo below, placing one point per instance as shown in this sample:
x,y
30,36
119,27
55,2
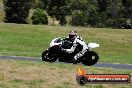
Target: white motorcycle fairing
x,y
54,43
93,45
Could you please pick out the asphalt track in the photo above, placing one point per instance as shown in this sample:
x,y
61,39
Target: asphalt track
x,y
99,64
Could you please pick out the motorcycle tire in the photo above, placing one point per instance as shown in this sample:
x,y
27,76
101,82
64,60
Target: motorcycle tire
x,y
49,57
90,58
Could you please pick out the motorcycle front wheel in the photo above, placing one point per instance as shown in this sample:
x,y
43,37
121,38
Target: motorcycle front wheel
x,y
90,58
49,57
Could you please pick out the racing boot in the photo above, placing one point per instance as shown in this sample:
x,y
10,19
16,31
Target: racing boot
x,y
75,60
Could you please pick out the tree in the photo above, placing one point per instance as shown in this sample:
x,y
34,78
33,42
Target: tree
x,y
58,9
79,18
85,13
79,4
102,5
42,4
39,17
16,11
92,15
128,6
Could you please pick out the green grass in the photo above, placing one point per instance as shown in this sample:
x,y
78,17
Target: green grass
x,y
27,74
32,40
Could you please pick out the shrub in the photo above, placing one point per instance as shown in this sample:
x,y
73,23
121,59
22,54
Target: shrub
x,y
78,19
109,23
58,9
117,22
101,19
16,11
39,17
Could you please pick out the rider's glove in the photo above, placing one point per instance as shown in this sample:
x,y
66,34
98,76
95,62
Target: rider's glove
x,y
63,50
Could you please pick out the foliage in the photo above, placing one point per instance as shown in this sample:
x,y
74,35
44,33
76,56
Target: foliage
x,y
118,22
34,4
92,15
58,9
39,17
79,4
102,5
16,11
85,17
42,4
78,19
95,13
101,13
128,6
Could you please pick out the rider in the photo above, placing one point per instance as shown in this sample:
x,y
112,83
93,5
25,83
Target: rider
x,y
75,39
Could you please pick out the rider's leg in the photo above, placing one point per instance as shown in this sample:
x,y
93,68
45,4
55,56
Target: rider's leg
x,y
77,56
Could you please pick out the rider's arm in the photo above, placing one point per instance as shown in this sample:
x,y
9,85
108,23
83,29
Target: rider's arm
x,y
71,50
80,41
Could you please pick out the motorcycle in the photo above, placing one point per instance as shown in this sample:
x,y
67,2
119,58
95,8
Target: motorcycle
x,y
54,52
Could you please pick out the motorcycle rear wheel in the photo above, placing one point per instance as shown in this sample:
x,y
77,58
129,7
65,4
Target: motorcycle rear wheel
x,y
90,58
49,57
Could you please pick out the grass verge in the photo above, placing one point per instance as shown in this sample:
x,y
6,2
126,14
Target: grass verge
x,y
25,74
